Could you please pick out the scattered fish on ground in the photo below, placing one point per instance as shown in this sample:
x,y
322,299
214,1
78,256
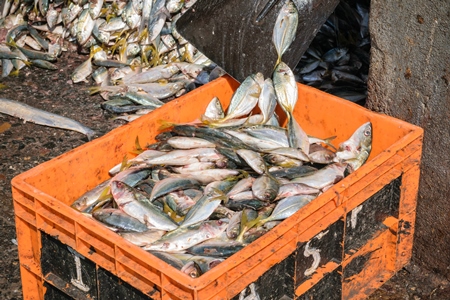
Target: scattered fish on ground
x,y
42,117
125,50
129,45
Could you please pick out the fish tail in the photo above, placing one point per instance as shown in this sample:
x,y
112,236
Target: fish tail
x,y
94,50
137,146
11,43
143,32
94,90
124,165
261,221
277,62
27,62
328,141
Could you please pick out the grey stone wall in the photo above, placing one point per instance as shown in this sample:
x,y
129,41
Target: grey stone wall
x,y
409,79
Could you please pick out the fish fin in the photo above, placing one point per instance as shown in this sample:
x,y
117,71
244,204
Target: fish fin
x,y
137,145
106,193
166,124
124,163
11,43
328,142
246,225
143,33
172,214
277,62
27,62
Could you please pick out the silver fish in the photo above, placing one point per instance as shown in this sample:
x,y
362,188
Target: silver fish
x,y
184,238
293,189
298,139
202,209
214,110
118,219
146,10
143,238
82,71
198,166
253,159
138,160
91,196
267,100
130,16
153,74
288,206
41,117
254,142
361,138
143,98
285,28
265,188
242,185
356,150
168,185
183,157
325,177
209,175
85,26
321,155
183,142
159,90
145,212
245,98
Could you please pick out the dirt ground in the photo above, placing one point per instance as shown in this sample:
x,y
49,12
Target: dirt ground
x,y
25,145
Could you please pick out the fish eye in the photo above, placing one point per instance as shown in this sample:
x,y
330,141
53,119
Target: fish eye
x,y
367,132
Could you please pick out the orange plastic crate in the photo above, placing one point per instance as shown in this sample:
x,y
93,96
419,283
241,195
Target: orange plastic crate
x,y
362,228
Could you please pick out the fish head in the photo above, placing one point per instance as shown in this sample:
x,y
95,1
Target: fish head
x,y
360,140
366,135
192,269
214,228
283,69
259,78
118,189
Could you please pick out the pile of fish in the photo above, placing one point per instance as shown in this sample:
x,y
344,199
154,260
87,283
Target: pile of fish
x,y
337,61
138,61
204,190
135,53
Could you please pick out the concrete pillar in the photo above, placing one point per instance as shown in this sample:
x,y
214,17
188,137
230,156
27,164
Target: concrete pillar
x,y
409,79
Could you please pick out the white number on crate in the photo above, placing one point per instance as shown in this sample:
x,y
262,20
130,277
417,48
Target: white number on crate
x,y
315,254
354,216
78,282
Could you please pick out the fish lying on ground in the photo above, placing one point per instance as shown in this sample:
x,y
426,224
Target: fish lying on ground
x,y
129,46
42,117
